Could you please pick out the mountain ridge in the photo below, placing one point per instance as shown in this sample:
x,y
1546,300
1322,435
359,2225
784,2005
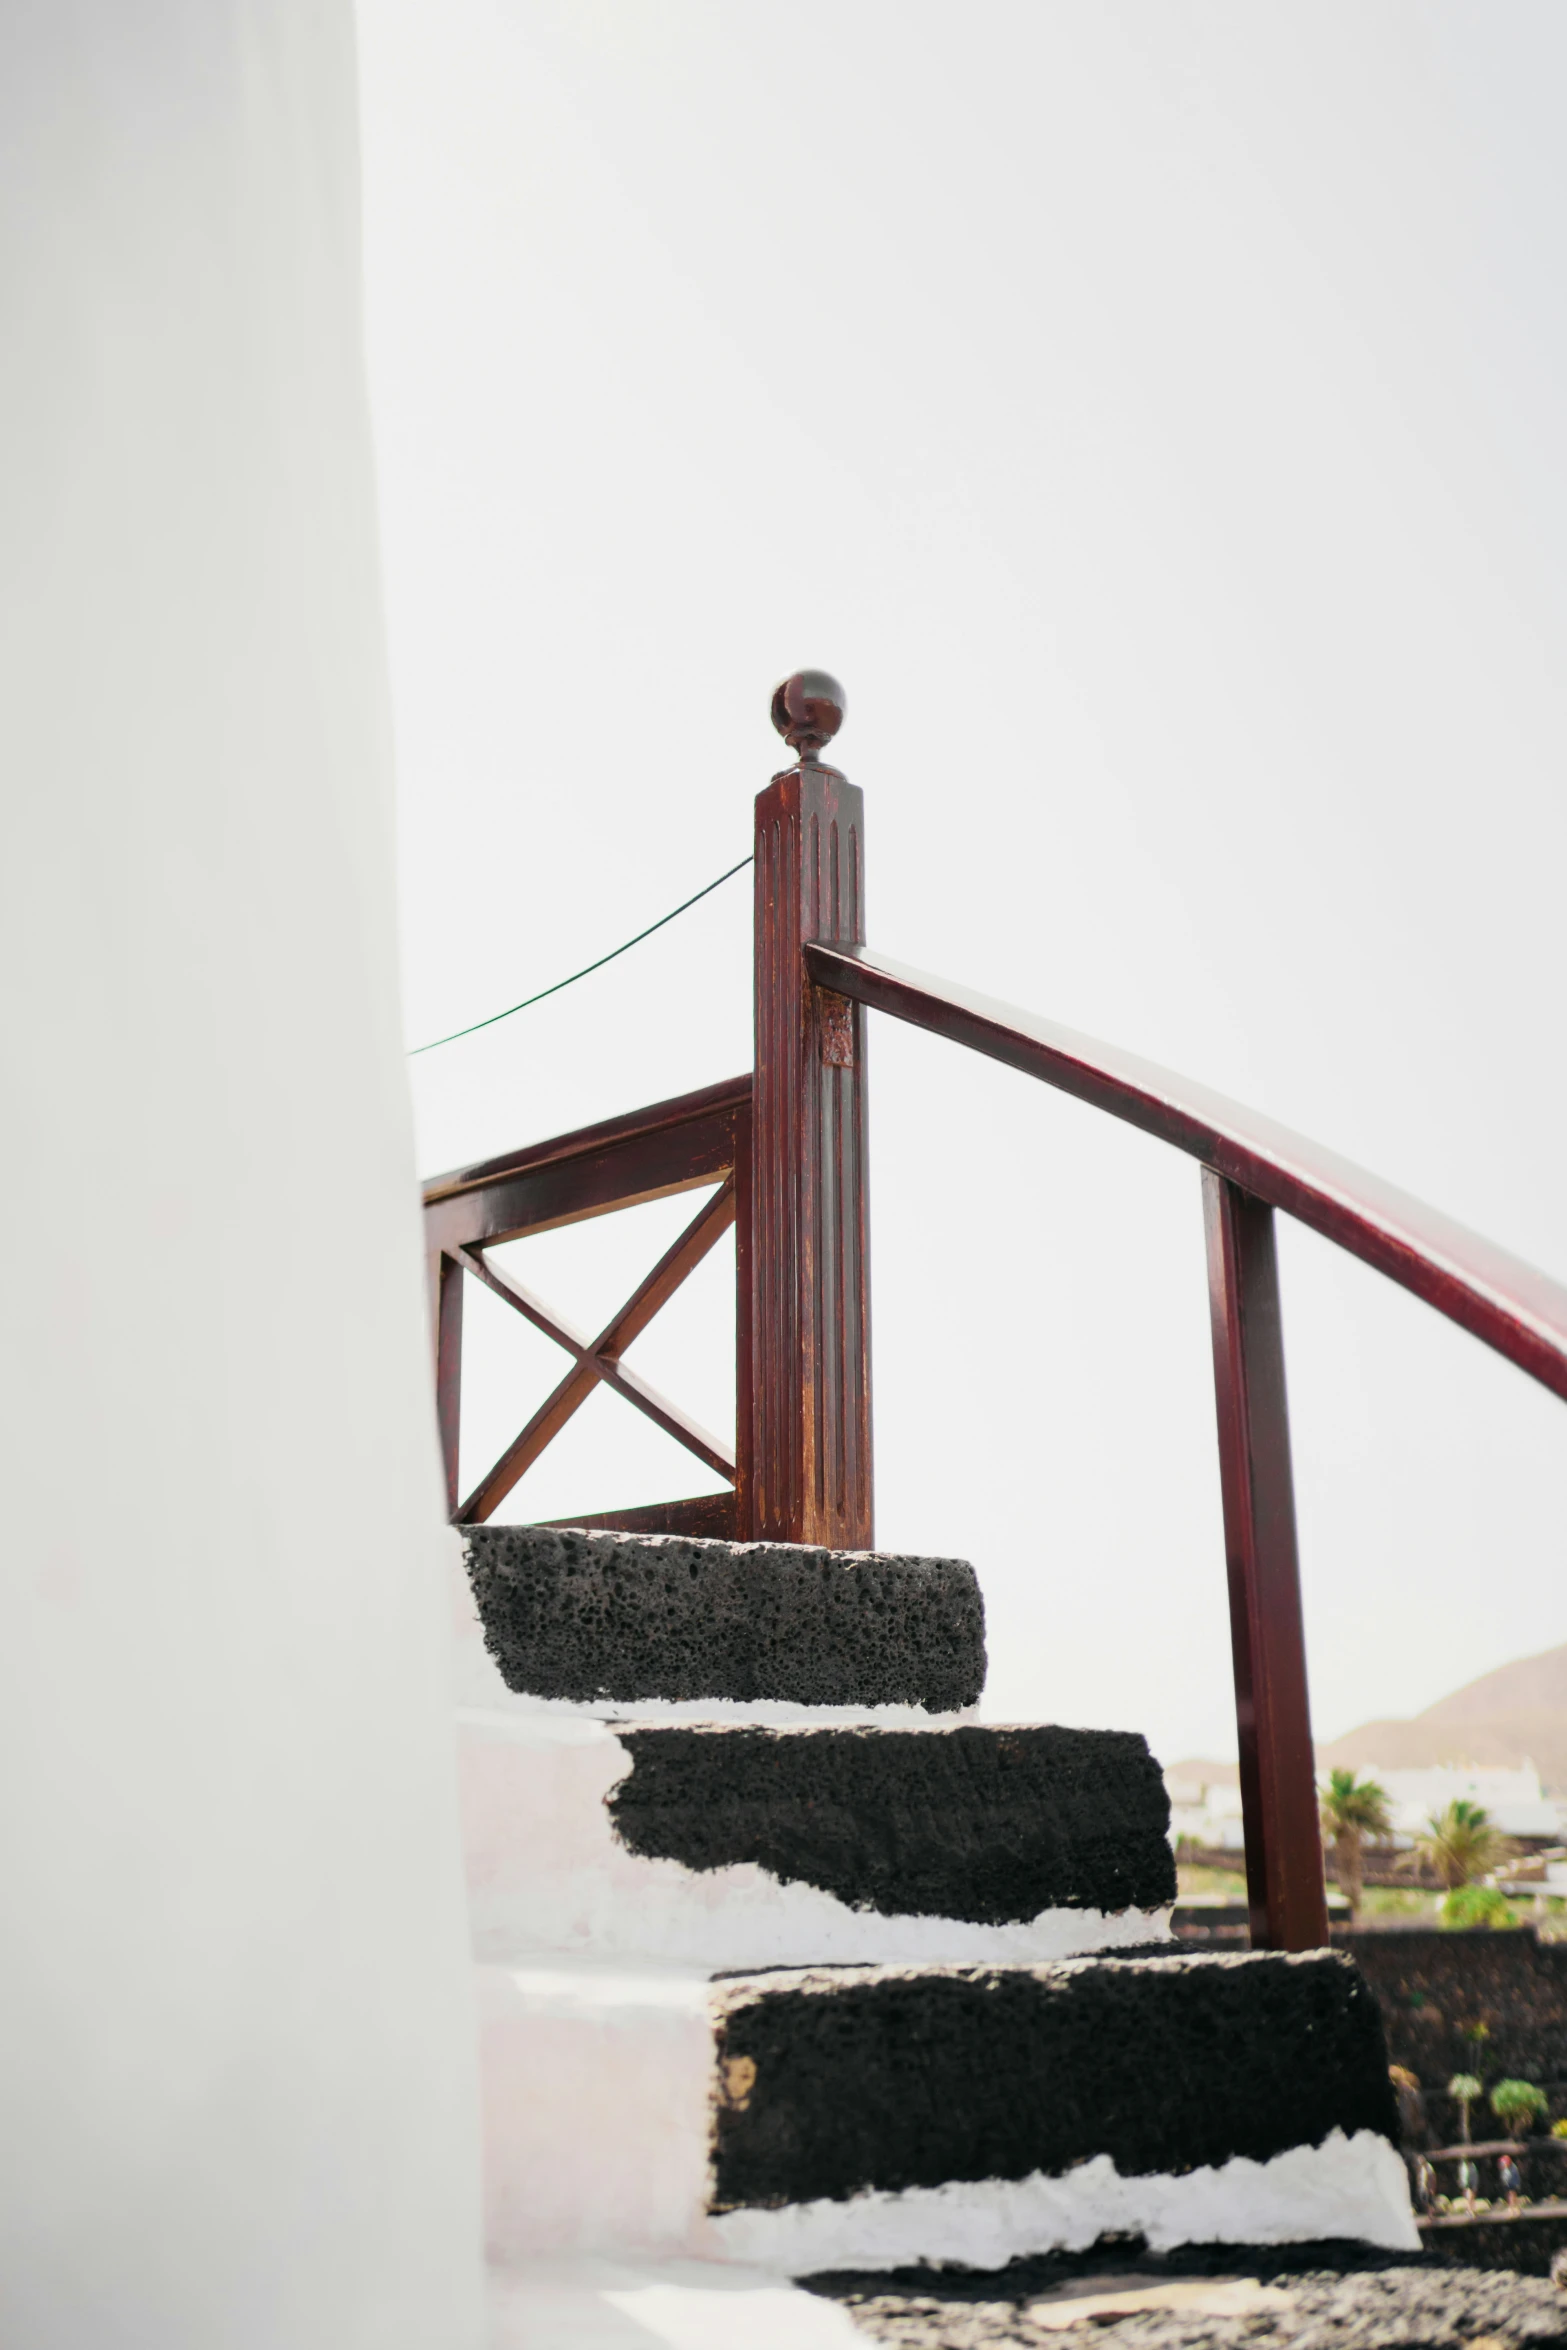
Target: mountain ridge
x,y
1515,1714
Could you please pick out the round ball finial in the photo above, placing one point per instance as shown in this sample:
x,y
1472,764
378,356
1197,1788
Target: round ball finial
x,y
808,710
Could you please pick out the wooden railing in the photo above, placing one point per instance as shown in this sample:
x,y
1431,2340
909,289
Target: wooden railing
x,y
693,1143
790,1156
1250,1167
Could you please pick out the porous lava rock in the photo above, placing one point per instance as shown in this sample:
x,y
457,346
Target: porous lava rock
x,y
891,2078
988,1824
616,1618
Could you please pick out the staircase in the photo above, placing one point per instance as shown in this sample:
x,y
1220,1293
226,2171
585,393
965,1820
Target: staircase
x,y
786,1960
774,1597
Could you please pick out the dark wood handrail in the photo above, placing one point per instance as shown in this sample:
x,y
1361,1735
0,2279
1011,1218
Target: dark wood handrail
x,y
1510,1305
682,1109
1251,1167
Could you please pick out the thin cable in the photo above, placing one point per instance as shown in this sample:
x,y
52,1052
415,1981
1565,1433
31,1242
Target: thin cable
x,y
436,1041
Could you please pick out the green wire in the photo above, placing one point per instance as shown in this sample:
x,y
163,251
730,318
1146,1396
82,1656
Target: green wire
x,y
437,1041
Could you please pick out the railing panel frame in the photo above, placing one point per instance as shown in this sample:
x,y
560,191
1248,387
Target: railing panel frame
x,y
685,1144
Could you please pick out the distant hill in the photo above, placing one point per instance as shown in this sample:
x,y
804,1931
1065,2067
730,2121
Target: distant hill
x,y
1534,1685
1204,1774
1516,1714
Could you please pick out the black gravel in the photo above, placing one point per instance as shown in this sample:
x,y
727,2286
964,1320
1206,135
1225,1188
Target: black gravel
x,y
988,1824
1341,2299
623,1617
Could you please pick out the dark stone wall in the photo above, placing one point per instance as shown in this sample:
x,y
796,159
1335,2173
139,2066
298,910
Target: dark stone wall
x,y
1429,1984
618,1617
988,1824
1527,2245
890,2078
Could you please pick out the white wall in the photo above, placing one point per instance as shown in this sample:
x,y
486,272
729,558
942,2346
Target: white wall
x,y
235,2041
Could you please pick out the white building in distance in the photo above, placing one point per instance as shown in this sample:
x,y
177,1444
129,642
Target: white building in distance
x,y
1205,1800
1511,1798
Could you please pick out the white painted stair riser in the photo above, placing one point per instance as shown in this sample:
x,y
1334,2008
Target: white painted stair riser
x,y
598,2092
547,1873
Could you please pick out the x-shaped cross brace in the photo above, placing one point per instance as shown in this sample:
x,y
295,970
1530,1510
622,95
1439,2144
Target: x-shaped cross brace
x,y
595,1359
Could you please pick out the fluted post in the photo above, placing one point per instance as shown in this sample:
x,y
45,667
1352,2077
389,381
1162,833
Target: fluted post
x,y
811,1458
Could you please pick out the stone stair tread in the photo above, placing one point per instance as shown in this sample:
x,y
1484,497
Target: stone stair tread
x,y
733,1845
807,2118
1026,2069
593,1617
990,1823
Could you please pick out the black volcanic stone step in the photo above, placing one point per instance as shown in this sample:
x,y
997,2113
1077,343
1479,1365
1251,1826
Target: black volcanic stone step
x,y
879,2077
987,1824
622,1617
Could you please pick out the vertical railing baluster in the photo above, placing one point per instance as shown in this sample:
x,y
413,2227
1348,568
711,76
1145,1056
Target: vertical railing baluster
x,y
1277,1764
446,1280
811,1455
745,1366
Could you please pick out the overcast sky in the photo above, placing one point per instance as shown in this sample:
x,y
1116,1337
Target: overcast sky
x,y
1153,413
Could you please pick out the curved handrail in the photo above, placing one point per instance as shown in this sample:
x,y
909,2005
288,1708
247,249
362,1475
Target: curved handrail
x,y
1510,1305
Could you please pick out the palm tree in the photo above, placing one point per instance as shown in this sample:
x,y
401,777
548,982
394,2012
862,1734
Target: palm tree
x,y
1465,2088
1352,1810
1460,1843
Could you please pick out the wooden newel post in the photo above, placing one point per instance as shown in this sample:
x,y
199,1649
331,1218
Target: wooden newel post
x,y
1284,1886
811,1457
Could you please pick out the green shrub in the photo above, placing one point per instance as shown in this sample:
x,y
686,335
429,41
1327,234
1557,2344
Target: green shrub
x,y
1477,1905
1518,2105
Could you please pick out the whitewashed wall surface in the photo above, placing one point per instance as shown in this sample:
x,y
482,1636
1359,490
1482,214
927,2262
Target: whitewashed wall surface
x,y
235,2031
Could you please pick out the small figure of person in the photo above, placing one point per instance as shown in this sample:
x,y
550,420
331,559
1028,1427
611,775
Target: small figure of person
x,y
1468,2181
1508,2175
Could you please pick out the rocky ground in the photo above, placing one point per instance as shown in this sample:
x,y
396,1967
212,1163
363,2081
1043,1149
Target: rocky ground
x,y
1294,2297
